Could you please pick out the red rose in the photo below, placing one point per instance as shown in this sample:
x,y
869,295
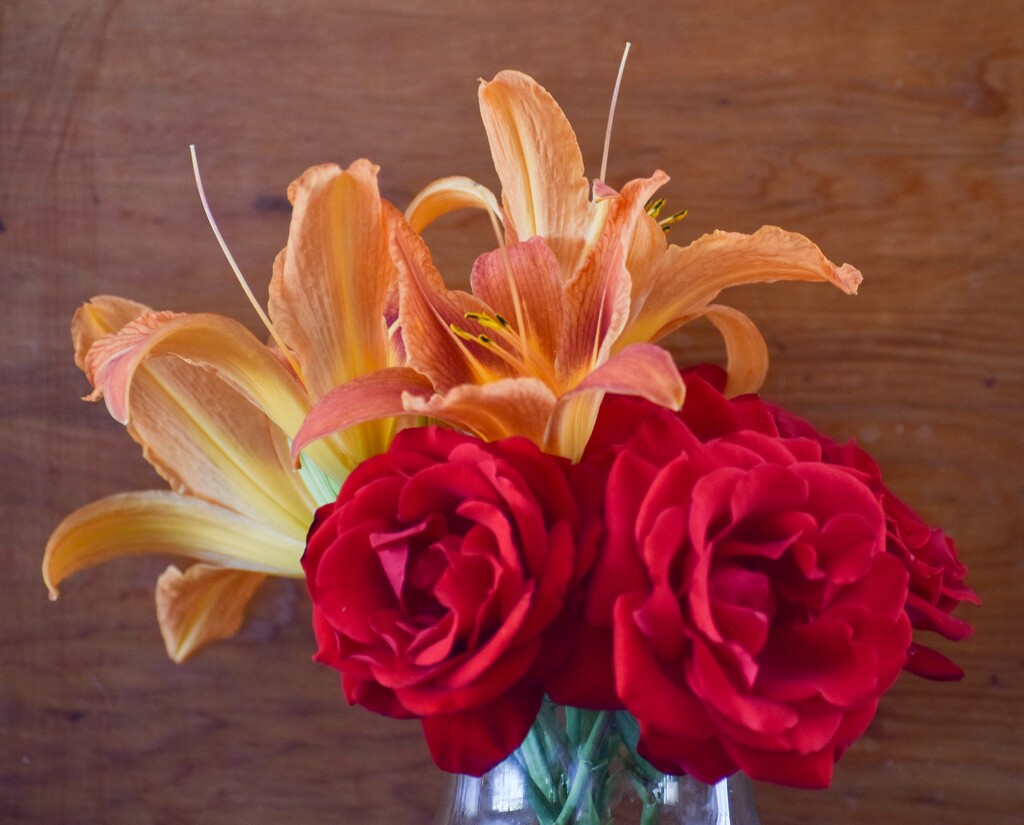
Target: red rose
x,y
757,617
937,577
436,579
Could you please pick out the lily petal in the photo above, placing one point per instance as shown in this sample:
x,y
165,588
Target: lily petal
x,y
101,316
447,195
327,296
201,605
688,278
429,313
511,406
367,398
745,349
157,521
539,164
523,285
597,299
216,343
642,370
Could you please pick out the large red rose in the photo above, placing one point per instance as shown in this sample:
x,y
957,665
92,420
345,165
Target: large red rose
x,y
757,616
437,579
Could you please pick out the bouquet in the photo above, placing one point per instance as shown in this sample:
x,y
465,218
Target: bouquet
x,y
519,521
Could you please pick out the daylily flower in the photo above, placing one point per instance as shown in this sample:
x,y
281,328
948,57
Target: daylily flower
x,y
570,305
214,410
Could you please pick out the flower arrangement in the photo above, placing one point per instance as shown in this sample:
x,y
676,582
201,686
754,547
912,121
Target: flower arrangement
x,y
512,499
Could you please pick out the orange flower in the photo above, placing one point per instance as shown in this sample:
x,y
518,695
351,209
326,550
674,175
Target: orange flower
x,y
568,309
214,410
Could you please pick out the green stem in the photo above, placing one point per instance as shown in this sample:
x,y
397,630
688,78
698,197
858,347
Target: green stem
x,y
583,767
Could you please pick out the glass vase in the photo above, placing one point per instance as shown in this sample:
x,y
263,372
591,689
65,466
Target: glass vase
x,y
580,767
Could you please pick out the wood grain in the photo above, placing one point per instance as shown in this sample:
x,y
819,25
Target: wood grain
x,y
890,133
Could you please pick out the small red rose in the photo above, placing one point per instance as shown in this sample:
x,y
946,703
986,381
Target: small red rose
x,y
437,579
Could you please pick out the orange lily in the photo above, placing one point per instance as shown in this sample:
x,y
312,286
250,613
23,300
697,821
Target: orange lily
x,y
215,417
568,309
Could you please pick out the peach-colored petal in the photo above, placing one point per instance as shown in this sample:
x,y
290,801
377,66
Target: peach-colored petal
x,y
688,278
327,297
745,348
597,299
367,398
539,164
215,343
511,406
157,521
522,284
201,605
641,369
98,317
429,313
447,195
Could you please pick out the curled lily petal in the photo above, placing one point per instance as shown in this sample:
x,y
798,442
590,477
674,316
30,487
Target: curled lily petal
x,y
157,521
215,343
745,349
687,279
501,409
370,397
201,605
539,164
99,317
642,370
447,195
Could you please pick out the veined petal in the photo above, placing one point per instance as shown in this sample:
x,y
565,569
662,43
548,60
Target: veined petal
x,y
446,195
511,406
597,299
641,369
216,343
539,164
428,312
745,349
98,317
157,521
327,296
688,278
523,285
201,435
367,398
201,605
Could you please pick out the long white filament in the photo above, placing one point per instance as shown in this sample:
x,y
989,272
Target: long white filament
x,y
611,113
234,267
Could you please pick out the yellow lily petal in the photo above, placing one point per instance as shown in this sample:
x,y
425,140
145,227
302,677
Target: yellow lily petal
x,y
215,343
201,605
511,406
366,398
539,164
688,278
327,297
157,521
745,348
201,435
447,195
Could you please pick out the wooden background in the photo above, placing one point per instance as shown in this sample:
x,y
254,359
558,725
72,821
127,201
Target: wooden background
x,y
890,133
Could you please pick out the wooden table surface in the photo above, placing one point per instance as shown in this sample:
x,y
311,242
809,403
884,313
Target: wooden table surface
x,y
890,133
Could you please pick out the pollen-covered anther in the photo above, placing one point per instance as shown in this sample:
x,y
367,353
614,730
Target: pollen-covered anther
x,y
666,223
654,206
496,323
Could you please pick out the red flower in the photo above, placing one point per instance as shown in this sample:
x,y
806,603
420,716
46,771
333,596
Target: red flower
x,y
757,617
436,580
937,577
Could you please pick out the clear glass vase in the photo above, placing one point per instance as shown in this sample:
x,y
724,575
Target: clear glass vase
x,y
579,767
